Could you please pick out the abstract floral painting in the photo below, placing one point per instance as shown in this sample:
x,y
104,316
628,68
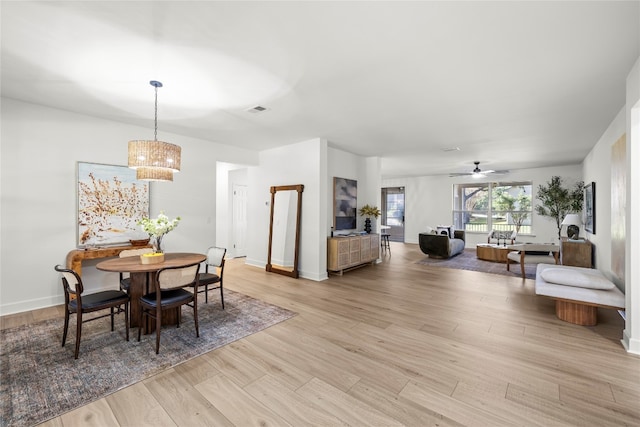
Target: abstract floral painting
x,y
110,202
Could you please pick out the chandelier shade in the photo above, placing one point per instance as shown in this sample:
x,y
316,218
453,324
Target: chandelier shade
x,y
154,154
151,174
154,160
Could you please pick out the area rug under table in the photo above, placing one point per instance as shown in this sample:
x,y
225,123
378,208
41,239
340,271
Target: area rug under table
x,y
40,379
467,260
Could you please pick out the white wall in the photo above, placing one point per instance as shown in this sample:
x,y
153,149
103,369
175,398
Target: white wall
x,y
597,168
40,147
429,201
313,164
366,171
301,163
227,175
631,334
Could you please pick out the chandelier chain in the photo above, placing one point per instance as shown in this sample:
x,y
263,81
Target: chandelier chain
x,y
155,133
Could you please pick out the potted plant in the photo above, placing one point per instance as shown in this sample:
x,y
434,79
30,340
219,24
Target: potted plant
x,y
558,201
157,228
369,211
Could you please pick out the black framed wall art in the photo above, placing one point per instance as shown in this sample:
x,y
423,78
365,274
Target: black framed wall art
x,y
345,198
590,207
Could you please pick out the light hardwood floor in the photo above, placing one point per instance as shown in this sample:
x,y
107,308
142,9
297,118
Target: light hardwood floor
x,y
396,343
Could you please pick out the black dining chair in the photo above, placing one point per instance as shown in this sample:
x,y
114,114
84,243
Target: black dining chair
x,y
169,293
213,273
75,301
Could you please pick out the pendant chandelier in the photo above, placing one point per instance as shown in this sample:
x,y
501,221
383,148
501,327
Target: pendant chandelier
x,y
154,160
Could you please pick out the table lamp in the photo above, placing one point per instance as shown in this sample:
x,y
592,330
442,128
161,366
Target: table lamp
x,y
573,222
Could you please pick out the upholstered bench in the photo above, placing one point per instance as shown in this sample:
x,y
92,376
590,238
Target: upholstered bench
x,y
578,292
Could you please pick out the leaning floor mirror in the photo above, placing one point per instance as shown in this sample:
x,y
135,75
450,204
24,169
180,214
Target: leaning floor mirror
x,y
284,230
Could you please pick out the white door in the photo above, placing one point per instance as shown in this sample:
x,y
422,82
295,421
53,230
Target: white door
x,y
239,219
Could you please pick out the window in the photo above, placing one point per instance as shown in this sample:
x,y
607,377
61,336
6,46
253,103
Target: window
x,y
493,206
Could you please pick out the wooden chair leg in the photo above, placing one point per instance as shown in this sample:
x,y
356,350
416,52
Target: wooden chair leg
x,y
522,270
78,333
66,326
158,327
508,269
112,320
221,295
206,294
195,316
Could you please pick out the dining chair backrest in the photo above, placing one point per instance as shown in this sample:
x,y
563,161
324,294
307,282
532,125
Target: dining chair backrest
x,y
177,277
71,282
215,256
502,235
135,252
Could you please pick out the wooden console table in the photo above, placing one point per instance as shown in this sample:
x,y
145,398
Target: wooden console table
x,y
578,253
345,253
76,256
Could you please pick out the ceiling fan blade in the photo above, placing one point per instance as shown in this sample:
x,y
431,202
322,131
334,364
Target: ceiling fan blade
x,y
477,172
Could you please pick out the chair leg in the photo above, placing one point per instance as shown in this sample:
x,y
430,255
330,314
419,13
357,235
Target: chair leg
x,y
508,269
112,320
221,295
206,294
195,316
522,270
66,325
158,327
78,332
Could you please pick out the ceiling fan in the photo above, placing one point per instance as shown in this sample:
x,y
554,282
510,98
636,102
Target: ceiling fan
x,y
477,172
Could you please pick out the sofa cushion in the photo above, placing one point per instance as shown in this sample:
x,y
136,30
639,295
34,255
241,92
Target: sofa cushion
x,y
580,279
610,297
445,229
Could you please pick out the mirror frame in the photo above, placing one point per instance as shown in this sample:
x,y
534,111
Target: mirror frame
x,y
271,268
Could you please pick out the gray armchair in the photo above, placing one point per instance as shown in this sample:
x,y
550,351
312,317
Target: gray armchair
x,y
440,245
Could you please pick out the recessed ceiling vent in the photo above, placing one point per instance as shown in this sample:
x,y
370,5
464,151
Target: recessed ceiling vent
x,y
257,109
446,150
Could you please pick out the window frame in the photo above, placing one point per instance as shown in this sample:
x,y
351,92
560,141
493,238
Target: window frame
x,y
459,215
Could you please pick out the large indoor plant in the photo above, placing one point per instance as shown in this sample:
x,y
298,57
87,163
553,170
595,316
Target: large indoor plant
x,y
369,211
557,201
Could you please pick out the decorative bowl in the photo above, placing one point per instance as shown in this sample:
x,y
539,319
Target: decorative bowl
x,y
152,258
141,242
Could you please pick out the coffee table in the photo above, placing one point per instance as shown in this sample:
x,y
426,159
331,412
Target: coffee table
x,y
494,253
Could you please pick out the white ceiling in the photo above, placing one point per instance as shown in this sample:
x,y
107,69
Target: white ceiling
x,y
512,84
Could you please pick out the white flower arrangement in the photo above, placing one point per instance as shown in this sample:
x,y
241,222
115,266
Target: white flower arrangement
x,y
158,227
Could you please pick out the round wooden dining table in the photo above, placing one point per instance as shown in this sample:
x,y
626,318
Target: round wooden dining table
x,y
143,281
